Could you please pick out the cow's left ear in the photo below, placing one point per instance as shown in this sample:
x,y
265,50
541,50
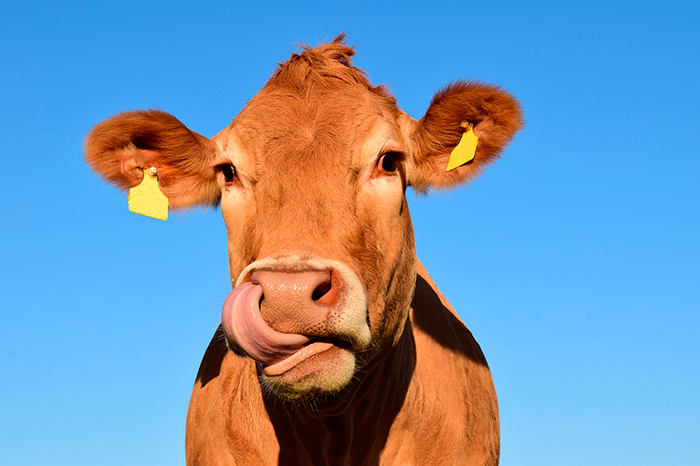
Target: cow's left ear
x,y
495,116
120,148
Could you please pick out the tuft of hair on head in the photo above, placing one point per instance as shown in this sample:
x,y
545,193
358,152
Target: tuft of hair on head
x,y
323,64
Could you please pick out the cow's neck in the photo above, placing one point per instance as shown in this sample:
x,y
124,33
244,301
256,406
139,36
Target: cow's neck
x,y
354,431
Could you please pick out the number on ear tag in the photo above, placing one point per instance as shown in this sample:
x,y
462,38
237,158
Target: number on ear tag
x,y
465,150
147,198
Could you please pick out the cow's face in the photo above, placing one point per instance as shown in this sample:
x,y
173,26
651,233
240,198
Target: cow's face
x,y
311,179
312,184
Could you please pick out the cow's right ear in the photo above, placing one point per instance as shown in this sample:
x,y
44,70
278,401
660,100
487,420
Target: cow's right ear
x,y
121,147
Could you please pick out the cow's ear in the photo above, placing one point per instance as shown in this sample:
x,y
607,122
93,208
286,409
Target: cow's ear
x,y
121,147
495,116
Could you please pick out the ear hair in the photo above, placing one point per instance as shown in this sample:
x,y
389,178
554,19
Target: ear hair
x,y
496,117
119,148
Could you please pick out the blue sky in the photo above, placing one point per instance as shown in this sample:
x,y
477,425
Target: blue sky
x,y
575,259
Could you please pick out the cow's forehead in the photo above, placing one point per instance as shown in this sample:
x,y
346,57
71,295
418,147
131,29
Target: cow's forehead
x,y
335,125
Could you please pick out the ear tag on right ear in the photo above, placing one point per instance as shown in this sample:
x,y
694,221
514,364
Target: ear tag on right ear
x,y
465,150
147,198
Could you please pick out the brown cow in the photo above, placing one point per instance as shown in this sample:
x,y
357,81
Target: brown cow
x,y
335,346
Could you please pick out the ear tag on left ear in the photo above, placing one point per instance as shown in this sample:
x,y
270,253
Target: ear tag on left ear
x,y
465,150
147,198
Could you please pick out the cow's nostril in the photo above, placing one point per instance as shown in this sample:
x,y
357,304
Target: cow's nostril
x,y
322,289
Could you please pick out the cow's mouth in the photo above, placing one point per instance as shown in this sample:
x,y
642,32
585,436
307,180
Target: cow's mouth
x,y
278,352
315,347
316,325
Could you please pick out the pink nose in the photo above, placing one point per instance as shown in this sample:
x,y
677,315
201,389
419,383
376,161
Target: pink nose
x,y
298,301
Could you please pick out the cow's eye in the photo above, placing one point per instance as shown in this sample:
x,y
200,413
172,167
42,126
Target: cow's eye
x,y
229,172
389,161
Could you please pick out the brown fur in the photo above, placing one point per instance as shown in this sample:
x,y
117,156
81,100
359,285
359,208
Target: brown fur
x,y
309,185
333,60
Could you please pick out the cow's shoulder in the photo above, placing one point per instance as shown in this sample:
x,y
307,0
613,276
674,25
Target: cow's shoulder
x,y
451,405
432,315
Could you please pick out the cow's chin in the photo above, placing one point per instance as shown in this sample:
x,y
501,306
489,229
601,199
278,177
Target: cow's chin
x,y
326,372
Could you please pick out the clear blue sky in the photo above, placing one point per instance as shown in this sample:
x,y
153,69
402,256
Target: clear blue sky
x,y
575,260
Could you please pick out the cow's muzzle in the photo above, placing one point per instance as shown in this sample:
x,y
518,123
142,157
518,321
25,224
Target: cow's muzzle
x,y
285,312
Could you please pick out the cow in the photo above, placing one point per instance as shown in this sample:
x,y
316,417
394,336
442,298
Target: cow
x,y
335,346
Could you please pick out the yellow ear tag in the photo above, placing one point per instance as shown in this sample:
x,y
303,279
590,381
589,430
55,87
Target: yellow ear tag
x,y
147,198
465,150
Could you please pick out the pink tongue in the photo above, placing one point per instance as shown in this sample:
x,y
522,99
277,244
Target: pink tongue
x,y
245,326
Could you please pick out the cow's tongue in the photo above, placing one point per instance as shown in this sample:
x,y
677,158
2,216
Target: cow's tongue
x,y
245,326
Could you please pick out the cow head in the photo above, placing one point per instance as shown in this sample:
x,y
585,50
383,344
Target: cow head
x,y
311,178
